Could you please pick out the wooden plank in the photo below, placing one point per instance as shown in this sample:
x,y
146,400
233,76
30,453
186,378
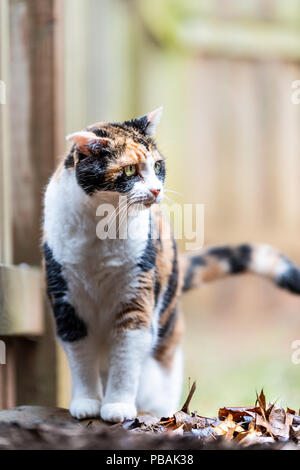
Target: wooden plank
x,y
2,389
5,197
254,40
36,111
21,301
225,30
36,375
8,376
58,79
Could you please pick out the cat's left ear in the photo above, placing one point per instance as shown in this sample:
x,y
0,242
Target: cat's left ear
x,y
147,123
87,142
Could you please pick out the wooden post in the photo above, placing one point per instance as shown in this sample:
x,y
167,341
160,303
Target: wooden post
x,y
7,371
5,195
36,123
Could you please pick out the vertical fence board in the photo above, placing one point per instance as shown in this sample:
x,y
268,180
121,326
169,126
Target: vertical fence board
x,y
5,187
37,124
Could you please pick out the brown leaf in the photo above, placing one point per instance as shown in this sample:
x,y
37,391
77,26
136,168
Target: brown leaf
x,y
189,422
279,423
261,400
256,437
185,407
296,420
146,420
258,421
178,431
183,419
269,410
237,413
226,425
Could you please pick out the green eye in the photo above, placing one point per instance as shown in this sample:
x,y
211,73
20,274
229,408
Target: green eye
x,y
130,170
157,167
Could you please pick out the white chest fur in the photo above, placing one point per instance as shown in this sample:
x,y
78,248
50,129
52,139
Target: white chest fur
x,y
101,274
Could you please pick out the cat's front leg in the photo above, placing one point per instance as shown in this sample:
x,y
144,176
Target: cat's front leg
x,y
86,385
130,347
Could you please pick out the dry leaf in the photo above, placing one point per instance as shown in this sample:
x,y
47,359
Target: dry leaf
x,y
237,413
226,425
147,420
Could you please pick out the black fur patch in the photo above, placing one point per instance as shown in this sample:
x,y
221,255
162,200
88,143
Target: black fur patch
x,y
68,325
156,289
290,279
123,183
140,124
195,262
237,258
162,174
69,161
172,282
91,172
148,258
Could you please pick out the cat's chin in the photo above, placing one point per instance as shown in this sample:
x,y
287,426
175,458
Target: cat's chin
x,y
142,206
137,208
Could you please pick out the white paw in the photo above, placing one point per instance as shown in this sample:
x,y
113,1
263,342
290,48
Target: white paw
x,y
118,412
82,408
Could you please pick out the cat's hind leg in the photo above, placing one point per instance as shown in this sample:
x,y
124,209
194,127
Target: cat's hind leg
x,y
160,387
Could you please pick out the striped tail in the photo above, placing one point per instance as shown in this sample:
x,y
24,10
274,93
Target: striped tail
x,y
218,262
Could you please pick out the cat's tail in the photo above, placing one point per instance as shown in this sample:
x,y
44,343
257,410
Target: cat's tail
x,y
220,261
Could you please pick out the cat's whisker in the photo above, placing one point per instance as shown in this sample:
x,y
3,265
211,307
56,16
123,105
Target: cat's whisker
x,y
117,212
111,217
123,215
131,201
170,199
172,191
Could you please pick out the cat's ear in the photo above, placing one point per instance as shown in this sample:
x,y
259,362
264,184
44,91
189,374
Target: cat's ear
x,y
87,142
147,123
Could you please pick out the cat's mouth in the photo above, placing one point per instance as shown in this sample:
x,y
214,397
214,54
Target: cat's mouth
x,y
149,204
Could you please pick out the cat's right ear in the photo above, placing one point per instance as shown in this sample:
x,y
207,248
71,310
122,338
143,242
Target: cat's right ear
x,y
87,142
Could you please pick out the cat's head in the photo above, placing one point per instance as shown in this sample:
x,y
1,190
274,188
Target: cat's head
x,y
119,158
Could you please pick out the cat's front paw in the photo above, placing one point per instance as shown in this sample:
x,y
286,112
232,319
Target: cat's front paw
x,y
82,408
118,412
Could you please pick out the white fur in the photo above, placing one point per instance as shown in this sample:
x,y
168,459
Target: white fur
x,y
101,276
150,181
266,261
160,390
153,119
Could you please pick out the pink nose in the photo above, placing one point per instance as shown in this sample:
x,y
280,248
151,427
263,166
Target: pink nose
x,y
155,192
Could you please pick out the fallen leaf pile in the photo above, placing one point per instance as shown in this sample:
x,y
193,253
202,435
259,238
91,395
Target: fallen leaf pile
x,y
254,427
243,426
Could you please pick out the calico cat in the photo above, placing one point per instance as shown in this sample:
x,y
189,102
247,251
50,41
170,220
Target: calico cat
x,y
115,301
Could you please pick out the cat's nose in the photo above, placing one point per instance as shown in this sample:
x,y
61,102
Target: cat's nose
x,y
155,192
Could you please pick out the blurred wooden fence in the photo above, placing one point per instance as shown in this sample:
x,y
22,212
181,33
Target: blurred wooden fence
x,y
31,131
223,72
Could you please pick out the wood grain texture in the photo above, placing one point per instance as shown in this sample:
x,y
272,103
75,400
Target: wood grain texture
x,y
36,123
5,164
